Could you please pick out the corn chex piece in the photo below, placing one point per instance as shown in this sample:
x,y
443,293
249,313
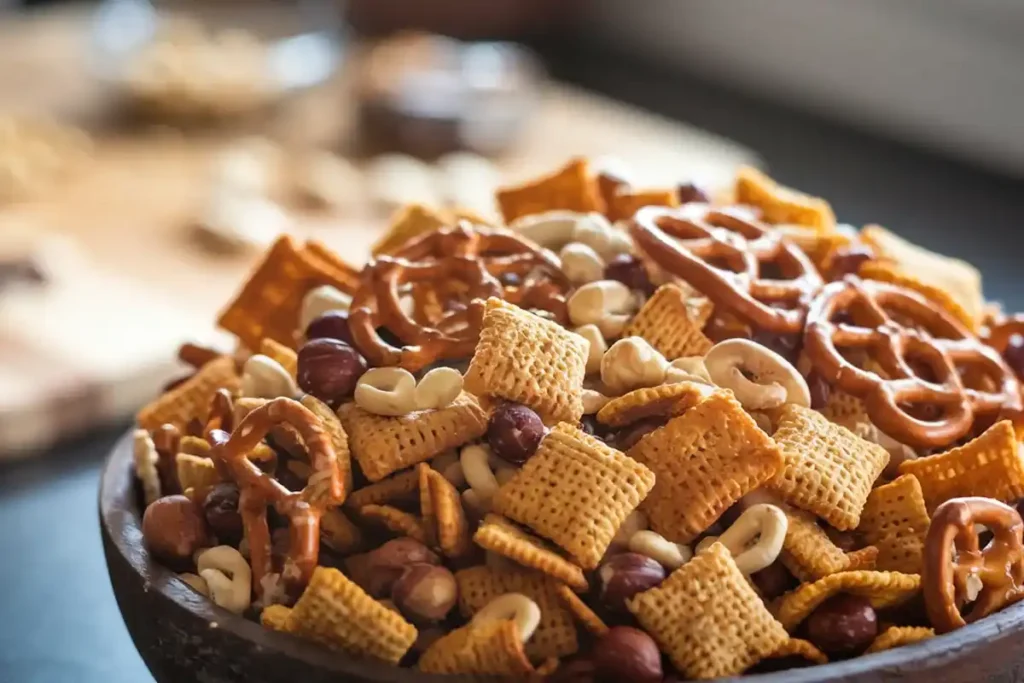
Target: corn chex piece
x,y
865,559
338,613
886,271
556,634
704,460
191,398
338,533
623,204
443,516
846,409
493,647
407,223
828,469
667,322
383,444
501,536
398,488
959,279
895,520
989,466
196,472
339,441
398,521
284,355
707,618
780,204
898,636
798,647
268,304
576,492
882,589
581,611
665,400
573,188
276,617
807,551
523,358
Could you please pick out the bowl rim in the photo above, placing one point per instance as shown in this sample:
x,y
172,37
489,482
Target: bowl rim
x,y
121,523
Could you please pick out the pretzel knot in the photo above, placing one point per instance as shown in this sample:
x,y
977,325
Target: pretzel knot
x,y
924,353
722,253
999,334
258,490
449,273
957,571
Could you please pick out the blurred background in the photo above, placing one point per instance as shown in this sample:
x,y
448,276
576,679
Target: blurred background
x,y
150,151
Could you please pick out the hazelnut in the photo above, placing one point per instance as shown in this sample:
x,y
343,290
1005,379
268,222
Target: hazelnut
x,y
625,653
377,571
173,529
630,271
221,511
330,325
691,192
773,580
425,593
329,369
514,432
843,625
623,576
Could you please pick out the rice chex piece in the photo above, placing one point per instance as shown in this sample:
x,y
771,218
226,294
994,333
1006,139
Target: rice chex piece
x,y
664,400
798,647
398,488
882,589
493,647
572,188
895,520
441,508
667,322
898,636
501,536
581,611
780,204
807,552
397,521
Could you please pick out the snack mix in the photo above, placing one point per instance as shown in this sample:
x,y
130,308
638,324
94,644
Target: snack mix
x,y
628,435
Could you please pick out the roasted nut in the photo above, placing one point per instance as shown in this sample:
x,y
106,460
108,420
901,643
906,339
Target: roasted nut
x,y
264,377
221,511
385,565
174,529
386,391
228,577
514,432
330,325
580,263
630,271
843,625
597,348
605,303
425,593
773,581
329,369
669,555
623,576
438,388
625,653
691,192
632,363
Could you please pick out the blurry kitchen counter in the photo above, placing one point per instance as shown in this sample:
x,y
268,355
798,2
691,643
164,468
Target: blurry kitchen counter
x,y
100,339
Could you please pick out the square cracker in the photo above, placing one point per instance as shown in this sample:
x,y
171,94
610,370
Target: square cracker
x,y
191,398
523,358
828,469
441,508
807,551
407,223
572,188
704,460
396,489
623,204
895,519
707,618
989,466
781,204
501,536
382,444
668,322
576,492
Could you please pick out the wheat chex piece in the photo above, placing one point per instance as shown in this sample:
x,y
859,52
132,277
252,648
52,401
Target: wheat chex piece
x,y
397,521
780,204
898,636
501,536
707,618
798,647
623,204
407,223
576,492
284,355
882,589
556,634
398,488
339,441
269,303
807,551
191,398
443,516
828,469
704,460
895,520
338,533
581,611
666,321
524,358
493,647
196,472
864,559
989,466
275,617
572,188
664,400
887,271
336,612
383,444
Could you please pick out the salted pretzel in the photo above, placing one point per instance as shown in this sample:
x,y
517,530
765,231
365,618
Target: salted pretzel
x,y
167,442
690,241
954,561
932,339
999,334
258,489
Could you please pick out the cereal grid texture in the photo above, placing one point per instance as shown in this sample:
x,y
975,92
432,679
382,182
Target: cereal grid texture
x,y
383,445
664,400
798,647
575,491
704,461
807,551
493,648
896,521
898,636
523,358
707,618
780,204
828,469
882,589
191,399
501,536
665,322
573,188
443,516
397,488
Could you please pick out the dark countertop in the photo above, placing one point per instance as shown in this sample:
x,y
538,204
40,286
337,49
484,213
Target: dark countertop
x,y
58,619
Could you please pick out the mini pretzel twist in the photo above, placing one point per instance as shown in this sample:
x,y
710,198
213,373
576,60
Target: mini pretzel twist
x,y
954,559
932,339
259,490
687,241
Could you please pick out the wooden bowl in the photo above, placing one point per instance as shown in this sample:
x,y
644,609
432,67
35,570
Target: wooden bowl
x,y
183,636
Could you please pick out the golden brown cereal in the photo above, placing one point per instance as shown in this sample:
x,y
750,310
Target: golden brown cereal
x,y
666,321
707,618
284,355
989,466
882,589
798,647
339,440
828,469
820,247
898,636
196,472
191,399
886,271
276,617
383,444
441,507
408,222
576,492
500,536
665,400
338,533
623,204
780,204
808,553
573,188
493,647
398,521
895,519
865,559
337,268
581,611
704,460
398,488
336,612
524,358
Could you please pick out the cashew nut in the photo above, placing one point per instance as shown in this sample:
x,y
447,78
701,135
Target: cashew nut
x,y
621,242
551,229
593,401
634,522
765,523
775,380
438,388
320,300
632,363
477,470
596,232
145,458
605,303
523,611
450,468
597,346
669,555
264,377
687,369
386,391
228,576
196,583
580,263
